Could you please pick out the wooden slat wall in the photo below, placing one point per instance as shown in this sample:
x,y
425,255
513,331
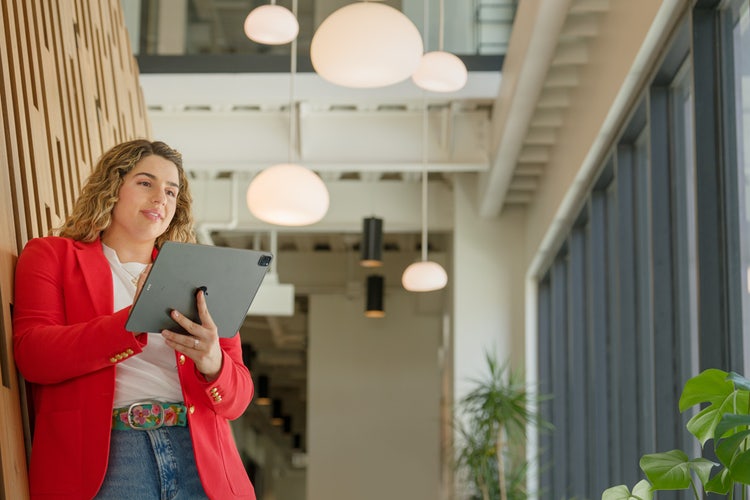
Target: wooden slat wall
x,y
68,91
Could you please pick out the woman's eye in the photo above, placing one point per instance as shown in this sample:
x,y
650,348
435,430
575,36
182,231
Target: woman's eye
x,y
172,193
144,183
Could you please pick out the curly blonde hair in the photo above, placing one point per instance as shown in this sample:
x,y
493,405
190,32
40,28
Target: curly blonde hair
x,y
92,211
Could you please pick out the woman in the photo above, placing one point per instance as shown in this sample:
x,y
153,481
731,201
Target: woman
x,y
121,414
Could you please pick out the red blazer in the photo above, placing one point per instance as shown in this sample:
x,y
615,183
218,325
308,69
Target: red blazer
x,y
66,340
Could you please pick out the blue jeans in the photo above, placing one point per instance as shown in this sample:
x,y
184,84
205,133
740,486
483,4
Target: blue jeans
x,y
155,464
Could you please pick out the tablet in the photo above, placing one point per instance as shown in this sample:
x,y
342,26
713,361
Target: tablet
x,y
231,278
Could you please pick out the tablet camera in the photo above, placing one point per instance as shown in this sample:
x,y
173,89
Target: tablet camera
x,y
264,260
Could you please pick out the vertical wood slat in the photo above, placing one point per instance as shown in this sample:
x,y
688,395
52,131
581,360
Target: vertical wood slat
x,y
68,91
12,452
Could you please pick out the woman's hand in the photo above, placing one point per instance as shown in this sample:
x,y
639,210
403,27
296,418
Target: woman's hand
x,y
202,343
141,281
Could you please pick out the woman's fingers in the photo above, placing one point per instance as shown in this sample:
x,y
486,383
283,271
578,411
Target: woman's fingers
x,y
202,342
141,281
205,316
203,331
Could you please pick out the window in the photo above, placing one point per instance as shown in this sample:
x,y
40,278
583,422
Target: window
x,y
740,12
618,321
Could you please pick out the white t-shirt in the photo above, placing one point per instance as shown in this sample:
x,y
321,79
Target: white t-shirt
x,y
151,374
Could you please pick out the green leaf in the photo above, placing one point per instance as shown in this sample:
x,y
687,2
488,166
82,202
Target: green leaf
x,y
620,492
703,425
667,471
672,470
721,483
708,386
730,421
727,448
739,381
641,491
740,468
702,468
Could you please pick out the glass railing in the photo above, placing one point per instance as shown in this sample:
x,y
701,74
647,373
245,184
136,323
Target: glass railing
x,y
208,35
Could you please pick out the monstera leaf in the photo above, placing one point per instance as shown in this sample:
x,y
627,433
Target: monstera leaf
x,y
711,386
739,381
672,470
641,491
721,483
724,418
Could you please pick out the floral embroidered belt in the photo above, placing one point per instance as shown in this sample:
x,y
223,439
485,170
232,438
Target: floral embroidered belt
x,y
149,415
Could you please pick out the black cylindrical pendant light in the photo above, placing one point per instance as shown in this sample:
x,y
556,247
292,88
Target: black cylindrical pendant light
x,y
262,398
276,417
374,307
297,442
372,242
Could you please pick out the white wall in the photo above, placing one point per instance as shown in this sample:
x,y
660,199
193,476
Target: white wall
x,y
374,399
488,291
488,271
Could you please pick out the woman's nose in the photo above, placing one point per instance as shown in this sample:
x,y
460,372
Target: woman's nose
x,y
160,198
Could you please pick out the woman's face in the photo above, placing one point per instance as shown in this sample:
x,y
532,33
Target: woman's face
x,y
146,201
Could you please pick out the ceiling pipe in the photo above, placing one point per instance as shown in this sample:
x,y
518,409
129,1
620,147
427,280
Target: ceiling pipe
x,y
203,230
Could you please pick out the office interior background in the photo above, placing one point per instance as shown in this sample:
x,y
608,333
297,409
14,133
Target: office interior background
x,y
587,196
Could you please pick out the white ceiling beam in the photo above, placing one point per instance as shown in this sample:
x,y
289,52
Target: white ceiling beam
x,y
524,184
534,154
547,118
366,169
261,138
519,198
562,76
542,136
532,45
580,26
161,89
588,6
528,169
351,201
554,98
575,52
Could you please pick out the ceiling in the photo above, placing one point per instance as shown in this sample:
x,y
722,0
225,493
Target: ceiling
x,y
364,144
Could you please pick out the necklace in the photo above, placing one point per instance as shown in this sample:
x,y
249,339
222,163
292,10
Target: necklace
x,y
133,277
120,269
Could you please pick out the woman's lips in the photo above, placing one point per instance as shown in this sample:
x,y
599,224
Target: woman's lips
x,y
152,214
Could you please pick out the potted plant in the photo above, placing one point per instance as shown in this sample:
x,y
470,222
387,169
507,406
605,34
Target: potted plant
x,y
492,437
725,420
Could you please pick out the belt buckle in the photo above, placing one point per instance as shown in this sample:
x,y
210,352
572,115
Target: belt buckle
x,y
133,425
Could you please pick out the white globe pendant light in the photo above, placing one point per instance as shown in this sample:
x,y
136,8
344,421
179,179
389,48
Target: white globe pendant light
x,y
440,71
271,25
424,276
366,45
288,195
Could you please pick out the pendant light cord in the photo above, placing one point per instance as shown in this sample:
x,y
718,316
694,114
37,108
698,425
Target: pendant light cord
x,y
426,15
274,251
424,177
441,25
292,111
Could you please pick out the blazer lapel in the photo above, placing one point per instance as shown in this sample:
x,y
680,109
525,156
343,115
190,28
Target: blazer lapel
x,y
96,274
